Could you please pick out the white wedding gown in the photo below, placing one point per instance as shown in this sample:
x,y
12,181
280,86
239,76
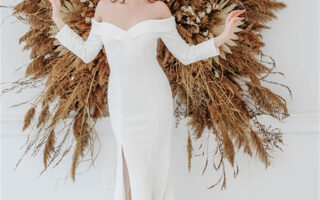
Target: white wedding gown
x,y
139,98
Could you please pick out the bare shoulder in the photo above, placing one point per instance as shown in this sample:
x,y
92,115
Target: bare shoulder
x,y
99,10
162,9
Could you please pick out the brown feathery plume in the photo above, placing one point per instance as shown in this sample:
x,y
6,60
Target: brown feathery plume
x,y
28,117
189,150
44,115
49,148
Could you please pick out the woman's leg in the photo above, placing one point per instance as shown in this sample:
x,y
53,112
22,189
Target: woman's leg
x,y
126,178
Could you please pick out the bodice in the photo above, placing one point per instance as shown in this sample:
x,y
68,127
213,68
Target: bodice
x,y
135,46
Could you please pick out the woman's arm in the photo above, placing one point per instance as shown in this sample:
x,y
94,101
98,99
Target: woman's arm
x,y
187,53
87,49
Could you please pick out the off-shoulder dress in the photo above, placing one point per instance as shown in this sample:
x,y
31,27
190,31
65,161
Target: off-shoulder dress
x,y
139,98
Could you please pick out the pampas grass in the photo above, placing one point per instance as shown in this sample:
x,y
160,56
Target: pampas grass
x,y
223,94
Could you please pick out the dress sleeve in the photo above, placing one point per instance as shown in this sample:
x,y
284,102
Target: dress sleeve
x,y
183,51
87,49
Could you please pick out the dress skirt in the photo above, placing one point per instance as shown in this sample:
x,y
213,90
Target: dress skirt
x,y
141,113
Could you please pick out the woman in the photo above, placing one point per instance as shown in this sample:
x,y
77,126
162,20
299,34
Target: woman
x,y
139,94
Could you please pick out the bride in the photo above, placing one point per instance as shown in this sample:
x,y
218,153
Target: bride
x,y
139,93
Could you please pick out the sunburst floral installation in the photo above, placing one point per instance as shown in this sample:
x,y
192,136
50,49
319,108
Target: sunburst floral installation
x,y
223,94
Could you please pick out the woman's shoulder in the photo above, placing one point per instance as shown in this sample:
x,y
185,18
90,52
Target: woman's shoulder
x,y
99,10
162,9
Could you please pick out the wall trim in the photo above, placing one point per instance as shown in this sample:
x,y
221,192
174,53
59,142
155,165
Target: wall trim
x,y
295,123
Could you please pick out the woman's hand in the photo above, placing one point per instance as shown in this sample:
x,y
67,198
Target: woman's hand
x,y
231,23
56,17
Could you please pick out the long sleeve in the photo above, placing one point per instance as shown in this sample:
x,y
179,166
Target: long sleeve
x,y
87,49
183,51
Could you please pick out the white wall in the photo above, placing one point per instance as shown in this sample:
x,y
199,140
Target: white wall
x,y
293,42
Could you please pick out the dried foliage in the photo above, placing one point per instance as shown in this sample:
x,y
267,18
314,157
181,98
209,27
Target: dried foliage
x,y
223,94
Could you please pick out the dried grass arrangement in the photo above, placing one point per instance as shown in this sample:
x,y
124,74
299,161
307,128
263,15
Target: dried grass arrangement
x,y
223,94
